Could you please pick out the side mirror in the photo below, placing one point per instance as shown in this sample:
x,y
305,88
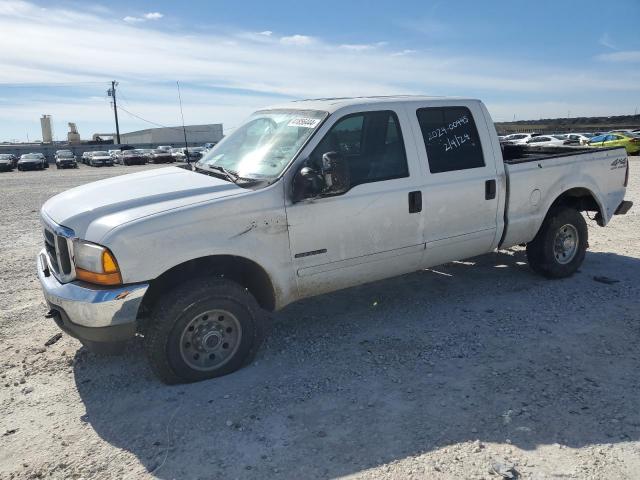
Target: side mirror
x,y
332,178
306,184
336,174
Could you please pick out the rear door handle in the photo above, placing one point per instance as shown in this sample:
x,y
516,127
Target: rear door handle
x,y
415,201
489,189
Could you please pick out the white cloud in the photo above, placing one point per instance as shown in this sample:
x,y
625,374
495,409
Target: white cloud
x,y
261,69
301,40
129,19
629,56
266,33
357,47
144,18
403,53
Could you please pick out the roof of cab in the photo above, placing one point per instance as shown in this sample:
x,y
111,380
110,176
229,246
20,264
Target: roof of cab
x,y
332,104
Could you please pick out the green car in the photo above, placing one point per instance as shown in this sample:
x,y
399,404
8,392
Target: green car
x,y
629,141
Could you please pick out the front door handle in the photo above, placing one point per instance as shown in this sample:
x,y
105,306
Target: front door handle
x,y
415,201
489,189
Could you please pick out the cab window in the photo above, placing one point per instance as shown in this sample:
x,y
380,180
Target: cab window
x,y
450,138
371,143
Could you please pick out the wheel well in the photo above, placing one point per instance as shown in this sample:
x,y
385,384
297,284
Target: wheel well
x,y
241,270
581,199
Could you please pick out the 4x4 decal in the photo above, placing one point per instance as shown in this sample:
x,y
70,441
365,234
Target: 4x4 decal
x,y
619,163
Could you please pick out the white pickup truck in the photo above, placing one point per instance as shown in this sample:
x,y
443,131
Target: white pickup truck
x,y
303,199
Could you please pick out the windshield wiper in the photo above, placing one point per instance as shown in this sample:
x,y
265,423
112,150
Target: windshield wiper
x,y
233,176
226,174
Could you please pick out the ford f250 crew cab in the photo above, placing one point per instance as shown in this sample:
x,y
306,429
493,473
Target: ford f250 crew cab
x,y
303,199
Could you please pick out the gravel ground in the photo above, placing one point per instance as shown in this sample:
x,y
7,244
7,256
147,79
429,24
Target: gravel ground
x,y
476,369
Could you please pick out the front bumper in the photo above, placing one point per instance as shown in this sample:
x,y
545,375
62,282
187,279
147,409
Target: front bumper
x,y
31,166
67,164
88,312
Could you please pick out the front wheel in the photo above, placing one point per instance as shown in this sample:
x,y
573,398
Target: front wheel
x,y
204,329
559,248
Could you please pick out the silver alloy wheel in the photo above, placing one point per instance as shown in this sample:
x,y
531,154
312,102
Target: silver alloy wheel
x,y
210,340
565,244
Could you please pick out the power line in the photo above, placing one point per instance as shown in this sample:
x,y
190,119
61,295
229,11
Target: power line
x,y
48,85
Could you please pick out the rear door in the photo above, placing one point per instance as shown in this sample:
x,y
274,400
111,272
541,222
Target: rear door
x,y
463,185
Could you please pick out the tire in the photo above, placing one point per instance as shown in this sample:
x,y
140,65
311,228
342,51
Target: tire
x,y
170,337
553,260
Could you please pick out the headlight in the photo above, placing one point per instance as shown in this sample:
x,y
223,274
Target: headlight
x,y
95,264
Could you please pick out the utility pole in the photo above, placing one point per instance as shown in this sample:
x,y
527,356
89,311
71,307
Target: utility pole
x,y
184,130
112,93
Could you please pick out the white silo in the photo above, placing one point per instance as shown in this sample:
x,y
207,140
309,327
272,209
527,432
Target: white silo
x,y
45,123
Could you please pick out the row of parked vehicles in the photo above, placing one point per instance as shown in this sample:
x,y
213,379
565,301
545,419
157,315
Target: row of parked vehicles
x,y
628,139
99,158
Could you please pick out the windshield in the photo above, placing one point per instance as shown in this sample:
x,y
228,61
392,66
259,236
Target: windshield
x,y
31,156
5,157
100,153
265,144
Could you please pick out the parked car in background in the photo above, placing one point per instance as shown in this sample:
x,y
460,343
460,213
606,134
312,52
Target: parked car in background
x,y
178,154
100,158
114,153
133,157
146,152
161,156
65,159
630,142
167,148
518,138
196,153
44,159
209,146
32,161
7,162
576,139
545,141
85,158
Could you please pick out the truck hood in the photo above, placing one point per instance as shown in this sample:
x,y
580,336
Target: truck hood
x,y
94,209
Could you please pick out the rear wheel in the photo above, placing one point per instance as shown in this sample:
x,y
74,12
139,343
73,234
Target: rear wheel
x,y
204,329
559,248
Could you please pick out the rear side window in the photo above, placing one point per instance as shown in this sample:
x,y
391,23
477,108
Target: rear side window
x,y
451,139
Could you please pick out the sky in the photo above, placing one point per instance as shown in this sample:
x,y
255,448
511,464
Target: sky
x,y
526,61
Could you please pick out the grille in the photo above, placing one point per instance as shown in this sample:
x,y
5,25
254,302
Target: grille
x,y
58,252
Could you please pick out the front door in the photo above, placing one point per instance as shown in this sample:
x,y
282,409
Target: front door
x,y
368,232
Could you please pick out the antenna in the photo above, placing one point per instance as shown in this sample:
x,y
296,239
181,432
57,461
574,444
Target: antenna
x,y
184,130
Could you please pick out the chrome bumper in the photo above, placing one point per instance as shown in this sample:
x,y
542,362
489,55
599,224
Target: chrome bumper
x,y
87,305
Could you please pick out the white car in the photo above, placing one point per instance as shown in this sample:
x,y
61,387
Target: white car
x,y
178,154
303,199
518,138
546,141
576,139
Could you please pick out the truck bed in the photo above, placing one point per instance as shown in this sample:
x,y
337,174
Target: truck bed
x,y
512,154
537,176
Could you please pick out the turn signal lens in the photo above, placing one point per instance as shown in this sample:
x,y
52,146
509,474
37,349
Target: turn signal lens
x,y
109,264
99,278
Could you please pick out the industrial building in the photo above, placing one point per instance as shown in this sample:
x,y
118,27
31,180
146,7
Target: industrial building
x,y
196,134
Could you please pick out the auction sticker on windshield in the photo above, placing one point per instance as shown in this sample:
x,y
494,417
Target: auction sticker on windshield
x,y
304,122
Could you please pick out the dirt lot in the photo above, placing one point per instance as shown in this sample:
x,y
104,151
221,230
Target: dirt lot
x,y
451,373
